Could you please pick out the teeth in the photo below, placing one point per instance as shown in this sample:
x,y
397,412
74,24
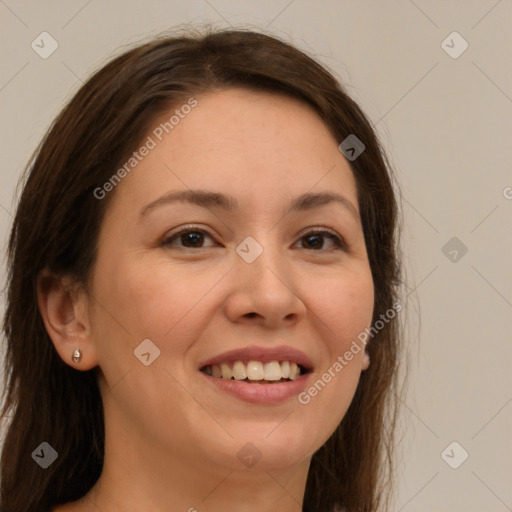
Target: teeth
x,y
239,370
255,371
273,371
285,369
294,371
227,373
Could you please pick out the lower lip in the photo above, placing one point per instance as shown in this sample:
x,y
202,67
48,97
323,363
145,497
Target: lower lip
x,y
260,393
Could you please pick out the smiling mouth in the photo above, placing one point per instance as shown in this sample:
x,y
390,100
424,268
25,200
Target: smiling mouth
x,y
256,372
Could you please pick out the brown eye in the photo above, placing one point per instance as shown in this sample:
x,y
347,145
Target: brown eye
x,y
189,239
315,240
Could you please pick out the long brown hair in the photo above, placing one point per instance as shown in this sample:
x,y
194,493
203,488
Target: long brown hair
x,y
56,227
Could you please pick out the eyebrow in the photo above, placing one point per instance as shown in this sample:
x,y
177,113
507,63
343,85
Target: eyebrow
x,y
217,200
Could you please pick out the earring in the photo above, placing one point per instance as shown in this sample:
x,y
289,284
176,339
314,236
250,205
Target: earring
x,y
77,355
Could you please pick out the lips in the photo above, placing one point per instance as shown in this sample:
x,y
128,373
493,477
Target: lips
x,y
263,394
264,390
262,354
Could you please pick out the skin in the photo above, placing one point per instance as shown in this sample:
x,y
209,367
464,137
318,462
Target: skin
x,y
171,440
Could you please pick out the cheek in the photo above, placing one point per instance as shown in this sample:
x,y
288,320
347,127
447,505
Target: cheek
x,y
343,309
343,305
147,296
149,301
158,301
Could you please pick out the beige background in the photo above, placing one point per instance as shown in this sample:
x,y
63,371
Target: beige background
x,y
447,123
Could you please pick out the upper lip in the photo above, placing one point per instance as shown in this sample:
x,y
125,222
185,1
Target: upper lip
x,y
265,355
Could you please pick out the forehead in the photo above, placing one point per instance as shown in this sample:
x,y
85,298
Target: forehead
x,y
259,146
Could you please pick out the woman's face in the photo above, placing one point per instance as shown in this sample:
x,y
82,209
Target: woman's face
x,y
250,274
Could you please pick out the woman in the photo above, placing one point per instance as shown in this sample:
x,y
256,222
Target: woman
x,y
202,298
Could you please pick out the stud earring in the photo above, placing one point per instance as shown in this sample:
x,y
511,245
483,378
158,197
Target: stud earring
x,y
77,355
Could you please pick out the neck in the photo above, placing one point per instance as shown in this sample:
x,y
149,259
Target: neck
x,y
140,475
133,483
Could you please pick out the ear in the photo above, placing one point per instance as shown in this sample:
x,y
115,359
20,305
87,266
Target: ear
x,y
366,360
64,308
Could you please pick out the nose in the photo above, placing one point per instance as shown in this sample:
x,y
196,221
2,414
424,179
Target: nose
x,y
265,292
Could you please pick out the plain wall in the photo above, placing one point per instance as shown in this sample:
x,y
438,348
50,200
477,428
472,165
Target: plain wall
x,y
446,123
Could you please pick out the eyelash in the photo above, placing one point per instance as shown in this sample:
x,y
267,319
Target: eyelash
x,y
316,230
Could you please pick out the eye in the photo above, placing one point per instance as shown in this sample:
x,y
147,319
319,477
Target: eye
x,y
315,240
189,238
194,238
